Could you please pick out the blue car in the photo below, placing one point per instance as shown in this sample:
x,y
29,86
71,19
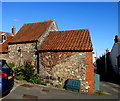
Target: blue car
x,y
6,78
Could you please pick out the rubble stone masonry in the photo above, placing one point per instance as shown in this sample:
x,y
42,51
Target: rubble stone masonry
x,y
72,65
52,27
4,56
20,53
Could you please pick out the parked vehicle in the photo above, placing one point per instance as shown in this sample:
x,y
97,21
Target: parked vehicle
x,y
6,78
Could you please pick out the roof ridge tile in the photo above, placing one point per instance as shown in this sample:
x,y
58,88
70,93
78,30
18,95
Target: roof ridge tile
x,y
70,30
40,21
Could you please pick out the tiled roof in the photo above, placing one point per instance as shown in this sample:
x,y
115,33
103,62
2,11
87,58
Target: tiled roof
x,y
9,35
31,31
4,46
68,40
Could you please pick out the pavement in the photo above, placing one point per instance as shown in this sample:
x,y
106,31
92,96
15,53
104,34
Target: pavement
x,y
110,88
24,90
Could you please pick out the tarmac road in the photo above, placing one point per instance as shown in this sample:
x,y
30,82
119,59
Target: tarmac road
x,y
31,91
110,88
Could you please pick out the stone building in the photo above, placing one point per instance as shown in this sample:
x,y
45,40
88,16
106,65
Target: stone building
x,y
4,37
115,55
24,44
58,55
68,54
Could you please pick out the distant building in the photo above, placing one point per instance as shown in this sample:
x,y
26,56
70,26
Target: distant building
x,y
115,55
5,36
108,65
94,61
4,39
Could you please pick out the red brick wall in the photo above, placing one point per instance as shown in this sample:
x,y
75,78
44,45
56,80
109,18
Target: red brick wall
x,y
90,71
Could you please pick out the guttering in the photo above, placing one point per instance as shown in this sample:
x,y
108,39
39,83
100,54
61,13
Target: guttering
x,y
64,51
24,42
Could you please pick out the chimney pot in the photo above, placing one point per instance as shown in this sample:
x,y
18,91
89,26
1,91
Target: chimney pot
x,y
116,39
107,51
13,30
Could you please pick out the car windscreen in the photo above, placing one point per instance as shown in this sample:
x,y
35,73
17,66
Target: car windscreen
x,y
4,66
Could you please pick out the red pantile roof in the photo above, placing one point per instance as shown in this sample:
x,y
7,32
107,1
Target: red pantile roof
x,y
68,40
4,47
9,35
31,31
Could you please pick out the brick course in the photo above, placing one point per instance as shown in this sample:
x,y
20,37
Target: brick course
x,y
90,71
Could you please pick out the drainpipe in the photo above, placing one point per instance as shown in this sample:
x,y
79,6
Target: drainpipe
x,y
38,60
19,53
38,65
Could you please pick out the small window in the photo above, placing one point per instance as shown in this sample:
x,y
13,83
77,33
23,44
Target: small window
x,y
4,38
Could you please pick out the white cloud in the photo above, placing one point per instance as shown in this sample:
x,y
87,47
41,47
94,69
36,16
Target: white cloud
x,y
15,20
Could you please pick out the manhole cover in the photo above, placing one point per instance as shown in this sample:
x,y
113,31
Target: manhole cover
x,y
30,96
27,85
45,90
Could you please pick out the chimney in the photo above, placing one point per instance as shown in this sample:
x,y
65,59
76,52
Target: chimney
x,y
14,30
116,39
107,51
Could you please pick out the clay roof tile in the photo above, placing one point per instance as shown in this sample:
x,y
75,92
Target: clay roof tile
x,y
68,40
31,31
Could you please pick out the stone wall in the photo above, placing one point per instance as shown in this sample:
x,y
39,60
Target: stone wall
x,y
52,27
50,59
4,56
20,53
73,66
